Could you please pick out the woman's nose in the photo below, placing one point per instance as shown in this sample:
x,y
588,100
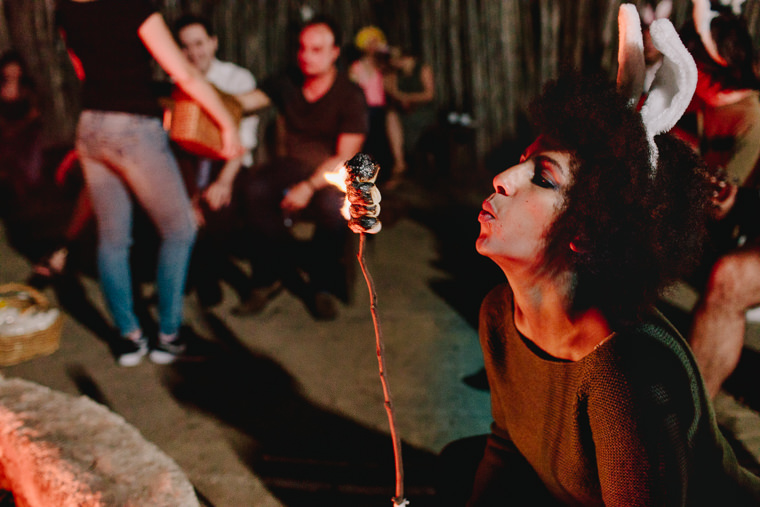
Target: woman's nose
x,y
509,181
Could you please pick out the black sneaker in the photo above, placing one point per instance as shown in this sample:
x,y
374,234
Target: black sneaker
x,y
130,352
166,352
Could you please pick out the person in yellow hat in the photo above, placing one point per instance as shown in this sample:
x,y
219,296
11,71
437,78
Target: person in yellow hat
x,y
368,72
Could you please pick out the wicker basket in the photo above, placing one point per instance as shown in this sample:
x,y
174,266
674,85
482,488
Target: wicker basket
x,y
192,128
16,349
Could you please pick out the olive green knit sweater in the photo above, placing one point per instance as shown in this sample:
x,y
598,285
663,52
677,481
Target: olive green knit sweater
x,y
628,425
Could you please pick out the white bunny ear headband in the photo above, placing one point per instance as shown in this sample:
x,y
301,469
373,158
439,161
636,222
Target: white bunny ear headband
x,y
674,83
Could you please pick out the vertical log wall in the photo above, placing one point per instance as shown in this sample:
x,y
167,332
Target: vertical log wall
x,y
489,56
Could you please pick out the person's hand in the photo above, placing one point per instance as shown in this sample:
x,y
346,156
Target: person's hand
x,y
218,195
298,197
231,147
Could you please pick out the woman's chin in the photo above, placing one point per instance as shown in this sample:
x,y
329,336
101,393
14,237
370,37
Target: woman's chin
x,y
481,245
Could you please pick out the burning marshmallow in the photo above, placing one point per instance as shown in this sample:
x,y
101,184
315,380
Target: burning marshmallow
x,y
362,194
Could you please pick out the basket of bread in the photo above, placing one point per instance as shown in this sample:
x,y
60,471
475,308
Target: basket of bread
x,y
29,325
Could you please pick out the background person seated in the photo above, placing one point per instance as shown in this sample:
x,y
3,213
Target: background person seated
x,y
322,123
410,88
213,185
725,130
20,128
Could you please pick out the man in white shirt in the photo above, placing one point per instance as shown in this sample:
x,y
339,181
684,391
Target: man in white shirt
x,y
197,40
212,183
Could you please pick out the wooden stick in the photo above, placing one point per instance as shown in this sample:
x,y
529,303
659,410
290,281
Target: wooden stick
x,y
399,499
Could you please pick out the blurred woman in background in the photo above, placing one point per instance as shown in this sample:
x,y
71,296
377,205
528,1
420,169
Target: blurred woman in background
x,y
125,154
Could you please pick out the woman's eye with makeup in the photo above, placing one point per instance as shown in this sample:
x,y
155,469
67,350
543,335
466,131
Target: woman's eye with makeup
x,y
541,178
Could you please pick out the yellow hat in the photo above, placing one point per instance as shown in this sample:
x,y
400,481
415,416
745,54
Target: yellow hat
x,y
368,35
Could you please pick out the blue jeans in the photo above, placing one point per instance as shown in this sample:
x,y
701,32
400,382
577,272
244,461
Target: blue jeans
x,y
122,155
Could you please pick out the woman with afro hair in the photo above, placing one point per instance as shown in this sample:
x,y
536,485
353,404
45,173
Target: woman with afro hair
x,y
596,398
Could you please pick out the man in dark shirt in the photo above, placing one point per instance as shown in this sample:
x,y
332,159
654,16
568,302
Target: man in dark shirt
x,y
322,123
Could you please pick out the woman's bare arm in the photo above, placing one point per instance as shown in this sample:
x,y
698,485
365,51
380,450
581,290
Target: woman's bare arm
x,y
159,41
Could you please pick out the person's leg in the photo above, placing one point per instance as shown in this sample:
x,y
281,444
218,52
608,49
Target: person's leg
x,y
395,132
265,222
268,240
377,144
54,263
212,251
226,234
80,217
152,174
113,212
327,268
717,334
203,276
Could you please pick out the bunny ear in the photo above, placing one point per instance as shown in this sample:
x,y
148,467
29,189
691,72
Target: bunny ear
x,y
631,66
703,16
673,85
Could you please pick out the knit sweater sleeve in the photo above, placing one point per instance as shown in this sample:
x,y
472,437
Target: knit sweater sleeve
x,y
643,410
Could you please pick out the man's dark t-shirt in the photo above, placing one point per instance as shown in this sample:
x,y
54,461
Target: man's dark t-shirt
x,y
312,128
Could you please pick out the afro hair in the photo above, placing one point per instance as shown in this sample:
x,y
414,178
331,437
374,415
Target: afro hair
x,y
633,231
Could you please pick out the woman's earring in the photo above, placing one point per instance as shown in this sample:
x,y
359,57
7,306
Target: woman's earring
x,y
576,247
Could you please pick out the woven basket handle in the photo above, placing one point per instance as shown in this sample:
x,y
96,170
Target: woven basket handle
x,y
38,299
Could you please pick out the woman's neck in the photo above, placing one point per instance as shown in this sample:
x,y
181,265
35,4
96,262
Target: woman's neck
x,y
541,315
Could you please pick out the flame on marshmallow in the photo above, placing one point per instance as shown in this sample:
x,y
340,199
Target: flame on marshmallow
x,y
337,178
